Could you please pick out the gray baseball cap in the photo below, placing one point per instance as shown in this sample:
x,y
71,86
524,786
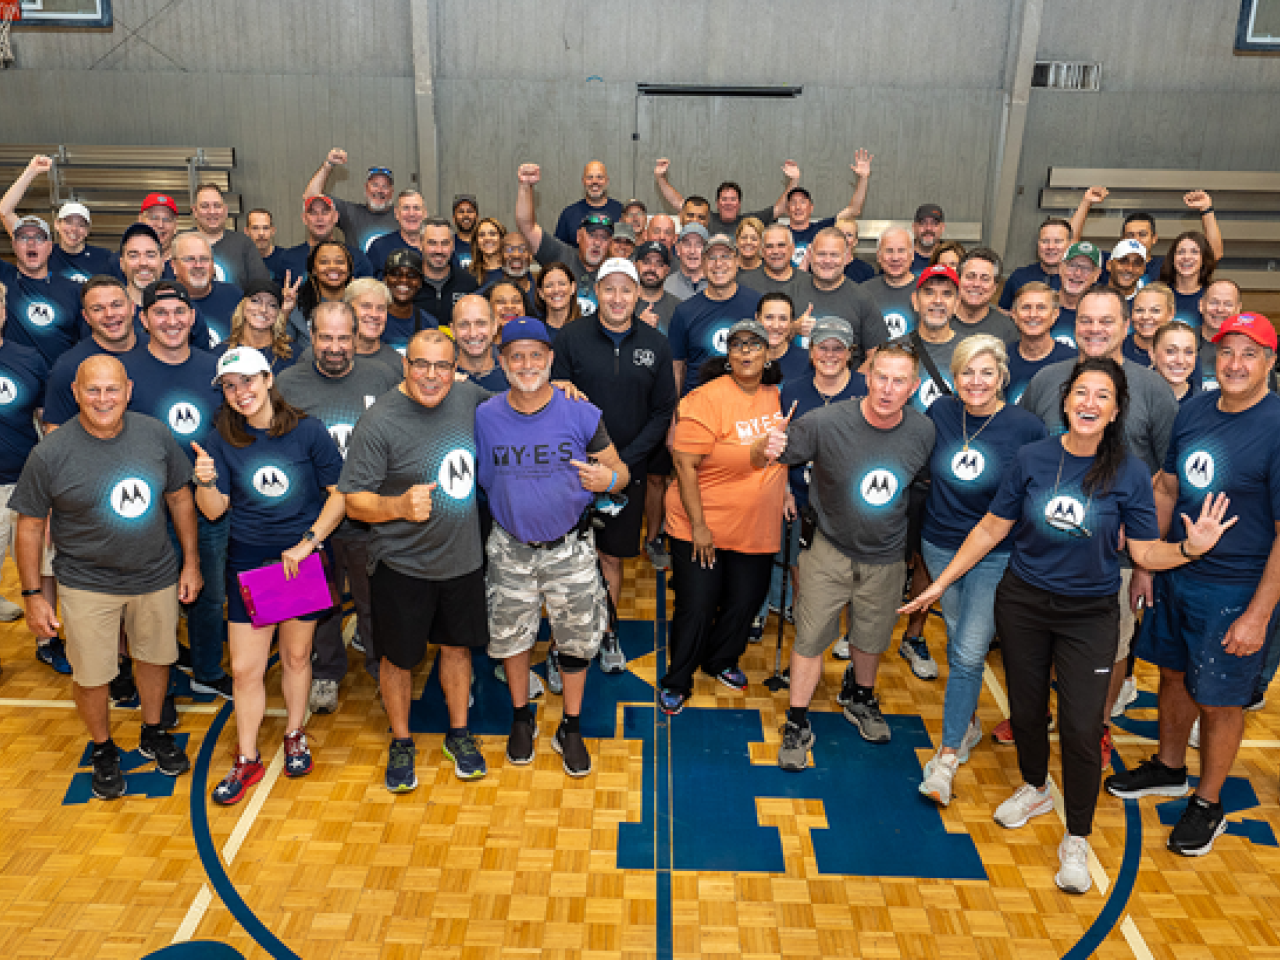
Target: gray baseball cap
x,y
751,326
831,328
695,228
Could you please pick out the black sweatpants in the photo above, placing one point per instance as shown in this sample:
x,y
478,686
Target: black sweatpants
x,y
1043,633
714,607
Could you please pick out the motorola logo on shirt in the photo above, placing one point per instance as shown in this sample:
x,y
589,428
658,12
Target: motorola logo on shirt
x,y
1064,513
878,487
8,391
720,341
967,465
897,324
184,418
457,474
131,497
39,313
78,278
929,392
341,433
214,339
1199,469
271,481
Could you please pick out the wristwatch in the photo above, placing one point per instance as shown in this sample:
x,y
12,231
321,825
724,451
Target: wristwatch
x,y
309,536
200,483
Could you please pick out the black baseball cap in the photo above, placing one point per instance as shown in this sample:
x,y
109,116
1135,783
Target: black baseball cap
x,y
652,246
930,211
597,221
139,230
406,258
164,290
255,287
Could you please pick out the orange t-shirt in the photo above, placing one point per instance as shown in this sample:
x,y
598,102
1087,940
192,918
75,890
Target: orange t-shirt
x,y
742,506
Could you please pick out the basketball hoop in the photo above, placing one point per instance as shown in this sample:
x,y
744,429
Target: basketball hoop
x,y
10,10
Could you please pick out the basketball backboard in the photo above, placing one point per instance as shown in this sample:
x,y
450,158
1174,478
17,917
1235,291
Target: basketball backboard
x,y
65,13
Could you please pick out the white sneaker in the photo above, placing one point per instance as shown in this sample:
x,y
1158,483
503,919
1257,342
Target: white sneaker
x,y
938,775
1193,741
972,737
1073,872
324,696
1026,802
1128,694
841,650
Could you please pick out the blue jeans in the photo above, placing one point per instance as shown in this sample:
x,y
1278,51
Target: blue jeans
x,y
968,609
206,622
775,598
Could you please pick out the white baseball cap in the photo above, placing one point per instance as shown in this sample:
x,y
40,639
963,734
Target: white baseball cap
x,y
245,360
74,210
1126,247
618,265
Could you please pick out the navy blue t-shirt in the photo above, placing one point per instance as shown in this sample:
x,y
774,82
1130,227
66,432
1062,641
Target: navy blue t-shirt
x,y
43,314
294,261
1064,328
859,271
216,308
59,402
276,484
383,247
1021,370
1032,272
802,238
1237,454
22,376
181,395
495,381
1135,353
461,252
804,394
571,218
1187,308
966,477
79,267
276,264
794,364
700,328
1041,491
399,331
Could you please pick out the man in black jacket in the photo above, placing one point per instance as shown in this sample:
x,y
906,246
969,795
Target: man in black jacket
x,y
444,283
625,369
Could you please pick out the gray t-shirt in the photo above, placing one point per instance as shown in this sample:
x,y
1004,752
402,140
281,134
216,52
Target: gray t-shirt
x,y
849,302
1148,424
110,521
940,355
361,226
664,307
399,443
338,402
238,260
861,476
894,304
762,283
551,250
681,287
994,323
716,225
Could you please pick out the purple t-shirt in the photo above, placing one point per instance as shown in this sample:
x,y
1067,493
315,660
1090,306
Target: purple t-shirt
x,y
534,491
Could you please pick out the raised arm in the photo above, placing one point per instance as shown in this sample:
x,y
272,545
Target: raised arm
x,y
1202,203
673,197
861,168
13,196
790,170
337,157
1091,196
526,220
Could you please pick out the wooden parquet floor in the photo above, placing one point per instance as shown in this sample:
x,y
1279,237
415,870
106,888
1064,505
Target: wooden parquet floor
x,y
528,862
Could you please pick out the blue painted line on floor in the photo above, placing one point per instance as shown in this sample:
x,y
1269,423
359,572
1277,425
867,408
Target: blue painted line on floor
x,y
662,787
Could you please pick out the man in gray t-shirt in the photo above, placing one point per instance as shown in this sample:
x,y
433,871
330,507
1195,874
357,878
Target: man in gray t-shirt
x,y
109,481
830,293
410,473
593,240
361,223
865,454
336,387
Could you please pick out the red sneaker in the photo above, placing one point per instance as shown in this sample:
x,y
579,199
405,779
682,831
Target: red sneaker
x,y
1003,732
1107,747
235,784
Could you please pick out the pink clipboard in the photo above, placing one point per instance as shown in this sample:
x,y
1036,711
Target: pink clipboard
x,y
271,599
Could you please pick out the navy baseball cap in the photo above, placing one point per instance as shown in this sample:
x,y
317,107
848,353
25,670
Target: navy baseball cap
x,y
597,221
164,290
139,230
524,328
651,246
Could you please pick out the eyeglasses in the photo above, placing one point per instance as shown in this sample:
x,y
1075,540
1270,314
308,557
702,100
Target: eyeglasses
x,y
746,345
190,260
721,258
439,367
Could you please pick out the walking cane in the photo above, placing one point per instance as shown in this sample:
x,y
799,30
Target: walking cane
x,y
778,681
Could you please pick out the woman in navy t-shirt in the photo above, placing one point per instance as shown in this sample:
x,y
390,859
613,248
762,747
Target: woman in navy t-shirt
x,y
1187,271
276,470
977,437
1068,501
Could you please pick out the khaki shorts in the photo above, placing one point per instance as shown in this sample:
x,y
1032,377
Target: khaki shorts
x,y
826,581
92,622
9,533
520,579
1128,622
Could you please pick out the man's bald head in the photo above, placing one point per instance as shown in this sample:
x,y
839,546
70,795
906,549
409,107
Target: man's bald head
x,y
101,368
595,182
102,390
471,306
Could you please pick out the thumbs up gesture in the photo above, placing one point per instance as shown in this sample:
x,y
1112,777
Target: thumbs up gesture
x,y
206,472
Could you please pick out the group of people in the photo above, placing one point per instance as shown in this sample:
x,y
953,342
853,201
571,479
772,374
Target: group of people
x,y
473,423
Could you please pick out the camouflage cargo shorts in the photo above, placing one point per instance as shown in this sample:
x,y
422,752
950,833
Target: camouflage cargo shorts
x,y
566,578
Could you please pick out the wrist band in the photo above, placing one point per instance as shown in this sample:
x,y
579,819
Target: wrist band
x,y
1182,549
609,488
31,593
1206,210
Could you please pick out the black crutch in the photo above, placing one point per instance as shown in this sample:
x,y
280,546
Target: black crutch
x,y
778,681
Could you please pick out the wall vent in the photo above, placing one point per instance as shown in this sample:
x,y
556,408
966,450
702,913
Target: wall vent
x,y
1067,75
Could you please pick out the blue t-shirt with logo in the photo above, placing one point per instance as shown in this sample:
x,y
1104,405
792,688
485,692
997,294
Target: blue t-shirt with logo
x,y
79,267
1187,308
42,314
803,392
1032,272
1022,370
60,403
216,309
22,377
802,238
276,484
859,271
534,492
181,395
1064,328
700,328
276,265
966,475
571,217
1042,493
1237,454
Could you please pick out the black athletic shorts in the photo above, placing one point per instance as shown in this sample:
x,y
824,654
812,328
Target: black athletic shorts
x,y
621,534
408,613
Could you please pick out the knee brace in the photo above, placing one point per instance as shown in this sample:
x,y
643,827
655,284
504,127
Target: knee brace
x,y
570,664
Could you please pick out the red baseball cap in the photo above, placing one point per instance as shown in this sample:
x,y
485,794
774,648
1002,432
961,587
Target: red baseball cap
x,y
159,200
307,201
936,271
1253,325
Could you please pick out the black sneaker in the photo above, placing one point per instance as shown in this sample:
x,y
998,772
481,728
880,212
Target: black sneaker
x,y
184,659
169,714
848,688
520,742
864,713
108,780
1150,778
1201,824
223,687
577,762
123,688
159,745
